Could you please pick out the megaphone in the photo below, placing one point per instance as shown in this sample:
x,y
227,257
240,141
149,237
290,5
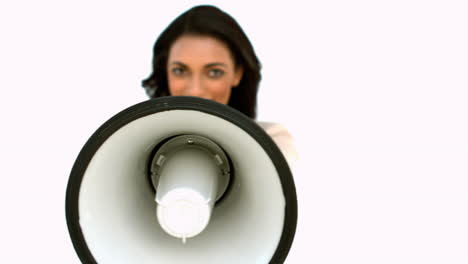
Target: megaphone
x,y
181,180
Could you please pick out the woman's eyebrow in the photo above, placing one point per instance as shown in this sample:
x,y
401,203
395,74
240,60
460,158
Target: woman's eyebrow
x,y
209,65
178,63
214,64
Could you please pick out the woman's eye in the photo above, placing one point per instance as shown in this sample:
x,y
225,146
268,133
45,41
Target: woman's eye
x,y
215,73
178,71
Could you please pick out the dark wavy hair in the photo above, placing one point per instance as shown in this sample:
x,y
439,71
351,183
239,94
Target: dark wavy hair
x,y
209,21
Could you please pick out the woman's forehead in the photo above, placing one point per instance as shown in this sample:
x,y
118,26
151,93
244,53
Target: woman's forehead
x,y
200,49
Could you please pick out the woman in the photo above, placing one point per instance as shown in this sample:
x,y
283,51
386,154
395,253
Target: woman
x,y
205,53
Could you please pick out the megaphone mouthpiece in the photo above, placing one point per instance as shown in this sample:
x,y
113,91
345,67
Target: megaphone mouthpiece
x,y
184,213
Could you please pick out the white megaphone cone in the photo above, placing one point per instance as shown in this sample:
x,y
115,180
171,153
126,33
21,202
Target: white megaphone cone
x,y
181,169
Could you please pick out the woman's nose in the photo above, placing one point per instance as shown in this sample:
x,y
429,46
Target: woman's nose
x,y
195,87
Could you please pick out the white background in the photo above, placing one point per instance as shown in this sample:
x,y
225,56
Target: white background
x,y
374,92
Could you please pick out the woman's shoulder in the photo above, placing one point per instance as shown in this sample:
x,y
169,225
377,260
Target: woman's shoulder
x,y
274,128
283,139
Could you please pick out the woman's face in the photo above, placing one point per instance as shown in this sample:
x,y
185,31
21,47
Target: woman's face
x,y
202,66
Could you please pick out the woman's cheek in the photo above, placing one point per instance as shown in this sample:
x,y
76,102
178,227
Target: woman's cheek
x,y
222,92
176,87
